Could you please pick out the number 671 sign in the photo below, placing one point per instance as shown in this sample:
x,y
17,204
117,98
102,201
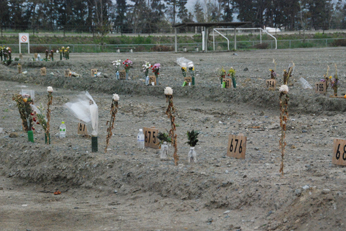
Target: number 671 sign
x,y
236,146
339,152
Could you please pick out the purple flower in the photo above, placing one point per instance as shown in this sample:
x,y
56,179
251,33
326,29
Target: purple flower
x,y
322,80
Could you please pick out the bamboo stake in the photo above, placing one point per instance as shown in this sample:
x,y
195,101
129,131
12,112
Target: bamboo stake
x,y
170,113
50,100
114,110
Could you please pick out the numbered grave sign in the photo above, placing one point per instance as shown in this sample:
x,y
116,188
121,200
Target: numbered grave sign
x,y
188,80
43,71
122,75
20,56
228,83
152,79
271,83
19,69
339,152
67,73
82,129
93,72
236,146
321,87
150,137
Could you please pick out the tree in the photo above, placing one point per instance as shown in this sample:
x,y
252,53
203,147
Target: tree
x,y
198,11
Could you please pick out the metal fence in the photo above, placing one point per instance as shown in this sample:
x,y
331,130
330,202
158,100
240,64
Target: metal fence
x,y
166,47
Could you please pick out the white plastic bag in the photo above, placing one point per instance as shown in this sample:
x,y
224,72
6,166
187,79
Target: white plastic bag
x,y
84,108
305,83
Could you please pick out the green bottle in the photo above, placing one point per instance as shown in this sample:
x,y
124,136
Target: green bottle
x,y
30,136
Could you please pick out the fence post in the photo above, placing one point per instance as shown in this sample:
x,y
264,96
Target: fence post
x,y
290,44
326,42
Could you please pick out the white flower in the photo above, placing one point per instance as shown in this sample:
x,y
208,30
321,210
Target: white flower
x,y
168,91
50,89
190,64
284,89
57,51
115,97
183,64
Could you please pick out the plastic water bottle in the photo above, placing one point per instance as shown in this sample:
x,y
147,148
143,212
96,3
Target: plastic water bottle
x,y
140,139
62,133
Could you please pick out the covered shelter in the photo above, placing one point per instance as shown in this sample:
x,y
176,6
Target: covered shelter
x,y
206,26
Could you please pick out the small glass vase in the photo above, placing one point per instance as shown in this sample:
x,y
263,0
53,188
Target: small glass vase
x,y
127,75
147,80
192,156
164,151
117,75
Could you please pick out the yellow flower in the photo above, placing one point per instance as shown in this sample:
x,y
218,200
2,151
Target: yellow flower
x,y
330,77
270,70
183,68
193,68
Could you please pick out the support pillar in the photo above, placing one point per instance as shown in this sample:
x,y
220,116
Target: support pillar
x,y
235,38
175,41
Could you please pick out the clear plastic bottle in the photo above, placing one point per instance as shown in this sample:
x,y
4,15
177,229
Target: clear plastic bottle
x,y
62,133
192,156
140,139
164,151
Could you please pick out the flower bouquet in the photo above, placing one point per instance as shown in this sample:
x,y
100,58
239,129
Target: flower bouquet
x,y
47,53
7,53
326,78
335,83
2,49
156,69
67,53
117,64
272,74
61,51
146,66
222,74
193,140
192,71
127,65
24,101
231,72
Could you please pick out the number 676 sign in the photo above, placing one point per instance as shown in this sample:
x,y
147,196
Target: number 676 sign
x,y
339,153
236,146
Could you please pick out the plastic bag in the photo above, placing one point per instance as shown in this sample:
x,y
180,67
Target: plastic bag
x,y
84,108
305,83
182,62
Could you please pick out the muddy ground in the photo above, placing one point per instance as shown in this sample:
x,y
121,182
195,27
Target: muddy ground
x,y
131,189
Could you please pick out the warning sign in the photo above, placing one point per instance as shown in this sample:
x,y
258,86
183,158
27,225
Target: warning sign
x,y
24,38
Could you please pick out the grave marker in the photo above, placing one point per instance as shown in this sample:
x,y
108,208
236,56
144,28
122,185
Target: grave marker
x,y
150,137
339,152
82,129
321,87
271,83
236,146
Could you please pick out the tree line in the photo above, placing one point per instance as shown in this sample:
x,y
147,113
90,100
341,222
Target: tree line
x,y
152,16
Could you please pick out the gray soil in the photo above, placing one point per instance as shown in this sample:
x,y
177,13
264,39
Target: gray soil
x,y
131,189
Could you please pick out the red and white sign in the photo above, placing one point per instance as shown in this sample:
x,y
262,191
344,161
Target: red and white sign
x,y
24,38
